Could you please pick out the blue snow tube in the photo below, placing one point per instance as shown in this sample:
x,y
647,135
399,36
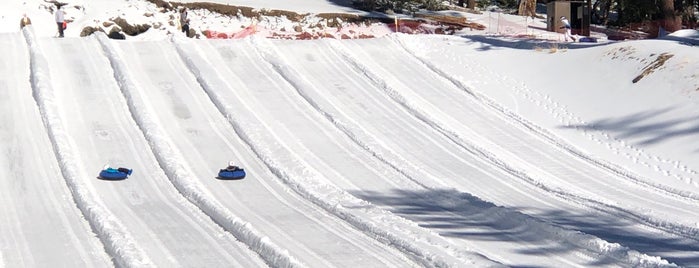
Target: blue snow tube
x,y
115,173
227,174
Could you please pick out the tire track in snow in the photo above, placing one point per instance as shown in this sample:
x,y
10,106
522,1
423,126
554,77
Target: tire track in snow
x,y
181,176
588,242
659,224
465,204
425,246
117,240
346,237
630,255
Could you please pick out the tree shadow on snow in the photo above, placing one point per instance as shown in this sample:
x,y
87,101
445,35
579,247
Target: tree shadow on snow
x,y
491,42
638,127
460,215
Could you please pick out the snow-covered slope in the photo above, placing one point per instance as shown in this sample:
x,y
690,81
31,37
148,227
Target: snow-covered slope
x,y
381,152
401,151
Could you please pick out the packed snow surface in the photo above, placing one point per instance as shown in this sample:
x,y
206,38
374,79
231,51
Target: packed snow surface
x,y
481,149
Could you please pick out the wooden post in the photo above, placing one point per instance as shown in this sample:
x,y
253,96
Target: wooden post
x,y
396,22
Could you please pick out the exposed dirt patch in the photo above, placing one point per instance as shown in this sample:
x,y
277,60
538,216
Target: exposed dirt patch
x,y
621,53
452,21
427,24
657,63
309,26
129,29
230,10
90,30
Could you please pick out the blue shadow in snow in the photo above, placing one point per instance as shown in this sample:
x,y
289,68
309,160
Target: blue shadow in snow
x,y
638,126
490,42
461,215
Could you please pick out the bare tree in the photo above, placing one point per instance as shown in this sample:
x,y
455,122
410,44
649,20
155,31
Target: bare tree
x,y
527,8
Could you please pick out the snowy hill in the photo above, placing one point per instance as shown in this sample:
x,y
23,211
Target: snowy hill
x,y
472,150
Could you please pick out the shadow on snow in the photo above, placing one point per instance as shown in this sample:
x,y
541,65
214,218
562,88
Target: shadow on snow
x,y
639,128
463,216
498,41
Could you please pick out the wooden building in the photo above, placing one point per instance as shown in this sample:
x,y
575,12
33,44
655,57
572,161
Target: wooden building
x,y
577,12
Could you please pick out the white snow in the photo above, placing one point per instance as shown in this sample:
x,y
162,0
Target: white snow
x,y
495,147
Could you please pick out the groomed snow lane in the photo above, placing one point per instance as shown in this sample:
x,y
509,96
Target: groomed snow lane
x,y
40,224
358,104
206,142
166,228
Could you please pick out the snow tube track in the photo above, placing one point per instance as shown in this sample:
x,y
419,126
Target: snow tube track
x,y
198,134
513,131
454,135
357,153
592,169
32,189
301,177
301,83
118,242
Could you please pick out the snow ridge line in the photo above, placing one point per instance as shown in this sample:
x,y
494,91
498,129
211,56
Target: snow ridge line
x,y
546,135
288,74
504,214
501,213
677,229
291,77
180,174
590,242
384,226
116,239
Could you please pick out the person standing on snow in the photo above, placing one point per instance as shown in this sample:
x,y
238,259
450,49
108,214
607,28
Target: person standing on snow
x,y
184,21
59,20
566,25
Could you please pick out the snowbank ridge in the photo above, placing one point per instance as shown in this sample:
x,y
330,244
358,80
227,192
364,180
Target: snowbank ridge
x,y
181,176
116,239
660,224
387,226
589,242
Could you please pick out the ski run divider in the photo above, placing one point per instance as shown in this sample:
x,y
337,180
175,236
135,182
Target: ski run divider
x,y
586,241
660,224
117,241
179,173
425,246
